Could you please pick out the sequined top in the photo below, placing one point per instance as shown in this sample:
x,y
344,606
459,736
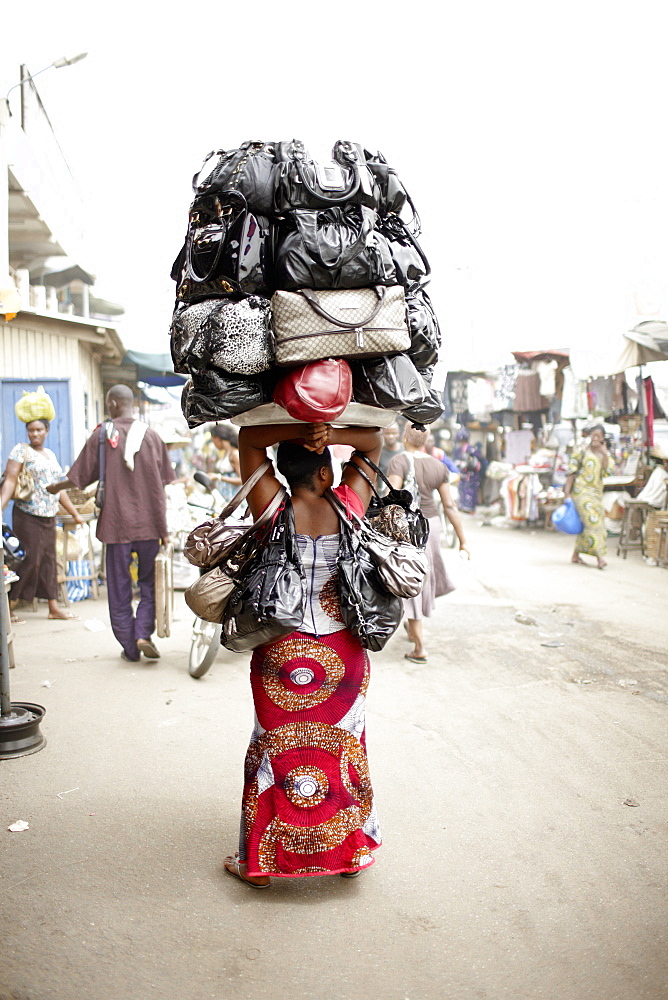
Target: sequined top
x,y
322,612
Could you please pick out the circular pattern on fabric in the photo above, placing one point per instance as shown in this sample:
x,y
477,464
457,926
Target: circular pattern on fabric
x,y
306,787
302,675
326,666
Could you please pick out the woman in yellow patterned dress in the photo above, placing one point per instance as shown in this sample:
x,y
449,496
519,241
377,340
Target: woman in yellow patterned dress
x,y
590,462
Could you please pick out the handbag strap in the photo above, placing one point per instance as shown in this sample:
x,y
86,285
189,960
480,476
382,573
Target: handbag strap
x,y
379,472
245,490
340,509
314,302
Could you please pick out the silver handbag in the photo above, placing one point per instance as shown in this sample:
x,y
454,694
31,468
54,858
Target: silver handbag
x,y
229,335
342,323
401,566
209,595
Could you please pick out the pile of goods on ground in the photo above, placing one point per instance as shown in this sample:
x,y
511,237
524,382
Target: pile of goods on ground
x,y
301,290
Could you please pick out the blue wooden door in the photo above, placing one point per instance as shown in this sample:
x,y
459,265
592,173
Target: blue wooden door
x,y
13,430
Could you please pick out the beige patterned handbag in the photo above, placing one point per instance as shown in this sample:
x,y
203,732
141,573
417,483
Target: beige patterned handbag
x,y
343,323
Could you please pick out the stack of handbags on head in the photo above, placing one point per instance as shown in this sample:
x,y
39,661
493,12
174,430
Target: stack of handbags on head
x,y
300,283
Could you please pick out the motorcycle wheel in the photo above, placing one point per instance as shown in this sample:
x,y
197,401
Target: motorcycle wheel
x,y
204,646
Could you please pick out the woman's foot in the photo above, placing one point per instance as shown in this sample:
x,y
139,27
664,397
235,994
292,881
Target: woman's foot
x,y
233,866
15,620
576,559
66,616
601,564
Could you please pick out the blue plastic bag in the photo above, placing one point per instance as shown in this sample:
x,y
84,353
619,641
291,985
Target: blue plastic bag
x,y
566,518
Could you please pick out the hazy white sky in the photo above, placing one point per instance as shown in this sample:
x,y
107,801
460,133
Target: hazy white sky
x,y
532,137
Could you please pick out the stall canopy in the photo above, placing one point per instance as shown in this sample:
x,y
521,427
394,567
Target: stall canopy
x,y
154,369
642,345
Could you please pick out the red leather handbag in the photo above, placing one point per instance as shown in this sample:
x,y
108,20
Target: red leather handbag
x,y
317,392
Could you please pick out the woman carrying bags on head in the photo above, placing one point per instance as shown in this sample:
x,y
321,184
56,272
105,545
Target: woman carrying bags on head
x,y
308,804
34,520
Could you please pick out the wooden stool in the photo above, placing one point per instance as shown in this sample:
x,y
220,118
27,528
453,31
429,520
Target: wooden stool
x,y
631,535
662,531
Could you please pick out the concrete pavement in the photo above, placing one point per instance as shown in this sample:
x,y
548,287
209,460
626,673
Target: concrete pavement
x,y
520,788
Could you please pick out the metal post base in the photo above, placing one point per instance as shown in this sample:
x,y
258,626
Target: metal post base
x,y
19,731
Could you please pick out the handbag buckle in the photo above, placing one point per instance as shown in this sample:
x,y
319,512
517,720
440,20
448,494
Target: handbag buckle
x,y
330,177
359,336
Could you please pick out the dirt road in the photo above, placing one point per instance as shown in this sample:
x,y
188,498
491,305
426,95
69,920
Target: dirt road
x,y
520,778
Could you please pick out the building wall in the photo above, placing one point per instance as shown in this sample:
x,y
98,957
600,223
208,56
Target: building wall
x,y
35,347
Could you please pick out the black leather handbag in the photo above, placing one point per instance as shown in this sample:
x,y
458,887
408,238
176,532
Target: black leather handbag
x,y
412,269
370,612
392,196
212,394
268,601
392,383
301,182
424,329
248,170
225,250
333,248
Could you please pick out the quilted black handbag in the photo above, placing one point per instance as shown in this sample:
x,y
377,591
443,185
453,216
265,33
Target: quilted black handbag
x,y
370,612
268,601
225,250
248,170
301,182
332,248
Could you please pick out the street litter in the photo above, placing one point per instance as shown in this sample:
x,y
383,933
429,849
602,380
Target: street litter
x,y
553,643
627,682
46,684
94,625
19,826
169,722
631,802
60,794
524,619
